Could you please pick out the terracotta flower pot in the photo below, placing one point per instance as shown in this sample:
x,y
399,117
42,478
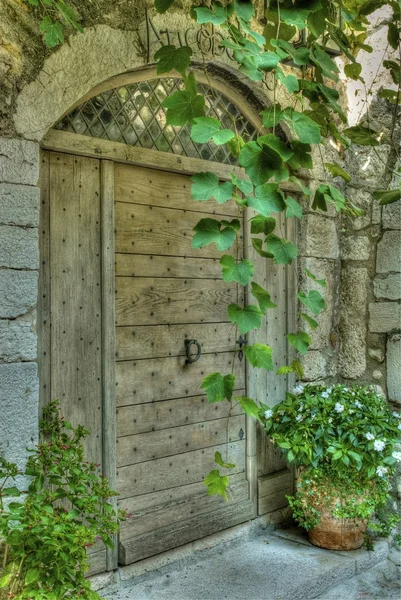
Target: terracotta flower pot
x,y
338,534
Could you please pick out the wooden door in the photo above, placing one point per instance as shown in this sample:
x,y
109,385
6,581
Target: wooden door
x,y
167,433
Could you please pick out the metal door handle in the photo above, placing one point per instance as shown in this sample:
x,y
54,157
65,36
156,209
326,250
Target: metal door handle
x,y
188,345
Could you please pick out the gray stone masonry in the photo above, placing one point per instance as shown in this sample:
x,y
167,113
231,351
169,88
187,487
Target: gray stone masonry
x,y
354,281
388,287
394,368
19,161
19,248
355,248
19,205
384,316
389,252
319,237
392,215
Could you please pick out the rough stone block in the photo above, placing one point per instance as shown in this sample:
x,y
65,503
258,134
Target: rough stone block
x,y
18,292
384,316
19,205
366,166
314,365
389,252
19,248
355,248
354,282
352,359
376,354
322,269
394,368
318,237
18,340
389,287
19,161
391,215
19,402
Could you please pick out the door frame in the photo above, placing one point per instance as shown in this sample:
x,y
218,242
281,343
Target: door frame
x,y
109,153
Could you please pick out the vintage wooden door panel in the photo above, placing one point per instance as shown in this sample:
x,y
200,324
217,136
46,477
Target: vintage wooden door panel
x,y
167,433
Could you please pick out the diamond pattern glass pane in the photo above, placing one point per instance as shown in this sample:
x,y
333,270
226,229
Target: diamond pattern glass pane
x,y
134,115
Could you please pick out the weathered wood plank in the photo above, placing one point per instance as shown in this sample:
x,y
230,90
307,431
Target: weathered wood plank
x,y
168,340
149,518
97,563
137,185
164,378
76,294
154,416
148,301
274,483
180,533
163,473
147,446
142,229
150,265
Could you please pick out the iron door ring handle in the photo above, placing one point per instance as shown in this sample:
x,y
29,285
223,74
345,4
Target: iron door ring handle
x,y
188,345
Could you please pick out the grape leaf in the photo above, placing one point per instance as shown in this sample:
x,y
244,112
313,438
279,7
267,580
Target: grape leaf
x,y
241,272
311,322
283,251
277,144
393,36
216,484
52,32
262,297
353,70
271,117
206,185
258,247
301,156
361,135
218,387
294,209
324,62
301,341
297,14
205,15
290,82
268,198
244,185
246,318
183,107
261,224
171,58
244,9
262,162
313,301
337,171
218,459
222,233
387,196
259,356
249,406
321,282
206,128
306,130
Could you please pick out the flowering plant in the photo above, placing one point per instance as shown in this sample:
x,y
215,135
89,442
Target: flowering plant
x,y
345,440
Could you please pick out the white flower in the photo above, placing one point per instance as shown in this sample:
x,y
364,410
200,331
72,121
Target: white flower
x,y
352,393
346,389
351,412
299,418
330,419
268,414
358,404
369,436
381,471
325,394
399,426
301,407
396,414
397,456
338,407
298,389
379,445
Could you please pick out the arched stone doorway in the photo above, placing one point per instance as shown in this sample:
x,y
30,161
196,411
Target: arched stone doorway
x,y
99,203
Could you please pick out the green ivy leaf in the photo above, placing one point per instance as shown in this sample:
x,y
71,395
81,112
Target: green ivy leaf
x,y
313,301
387,196
301,341
337,171
163,5
68,15
204,15
294,209
171,58
235,146
218,387
331,96
222,233
277,144
328,193
297,367
257,245
52,32
259,356
392,96
249,406
321,282
353,70
216,484
271,117
324,62
5,580
306,130
218,459
183,107
361,135
206,128
241,272
262,297
299,56
268,198
206,185
290,82
301,156
262,162
393,36
11,492
246,318
311,322
244,185
261,224
299,183
31,576
297,14
283,251
244,9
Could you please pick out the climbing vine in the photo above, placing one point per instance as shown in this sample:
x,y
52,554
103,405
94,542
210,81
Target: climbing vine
x,y
297,34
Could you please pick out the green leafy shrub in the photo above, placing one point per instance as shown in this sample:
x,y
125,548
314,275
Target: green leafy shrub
x,y
344,440
65,510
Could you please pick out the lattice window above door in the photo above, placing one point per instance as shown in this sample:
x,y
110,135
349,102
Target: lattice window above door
x,y
133,115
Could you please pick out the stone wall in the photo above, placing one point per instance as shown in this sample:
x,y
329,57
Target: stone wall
x,y
19,264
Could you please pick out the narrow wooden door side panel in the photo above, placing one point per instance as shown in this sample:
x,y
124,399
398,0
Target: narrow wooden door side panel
x,y
147,301
163,231
162,341
155,416
180,533
164,378
160,188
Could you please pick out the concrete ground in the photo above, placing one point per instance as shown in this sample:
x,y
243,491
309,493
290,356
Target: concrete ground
x,y
268,565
